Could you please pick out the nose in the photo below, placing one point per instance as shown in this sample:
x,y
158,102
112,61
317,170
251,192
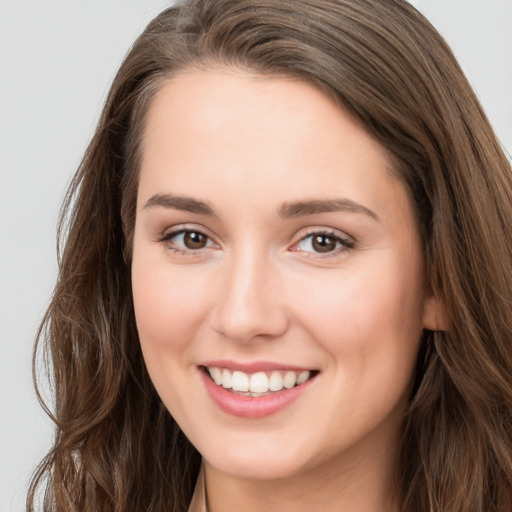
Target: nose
x,y
250,300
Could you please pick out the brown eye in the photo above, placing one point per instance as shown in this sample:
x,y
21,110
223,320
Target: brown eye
x,y
187,240
194,240
330,244
323,243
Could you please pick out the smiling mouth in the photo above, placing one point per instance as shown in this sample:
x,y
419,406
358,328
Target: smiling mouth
x,y
258,383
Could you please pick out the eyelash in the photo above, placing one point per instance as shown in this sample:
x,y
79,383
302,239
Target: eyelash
x,y
346,243
166,238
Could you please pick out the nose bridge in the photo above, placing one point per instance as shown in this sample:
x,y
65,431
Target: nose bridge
x,y
249,301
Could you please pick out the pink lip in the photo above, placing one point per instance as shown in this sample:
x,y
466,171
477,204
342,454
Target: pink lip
x,y
248,406
255,366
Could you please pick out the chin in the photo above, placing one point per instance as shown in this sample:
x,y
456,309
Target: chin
x,y
261,459
257,467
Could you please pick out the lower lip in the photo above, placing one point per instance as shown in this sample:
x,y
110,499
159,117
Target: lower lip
x,y
249,406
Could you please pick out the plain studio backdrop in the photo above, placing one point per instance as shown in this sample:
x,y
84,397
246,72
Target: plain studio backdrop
x,y
57,59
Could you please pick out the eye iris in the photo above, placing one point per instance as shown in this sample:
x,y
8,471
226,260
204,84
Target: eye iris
x,y
323,243
194,240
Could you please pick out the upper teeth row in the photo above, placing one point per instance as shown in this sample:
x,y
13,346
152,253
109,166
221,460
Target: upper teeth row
x,y
259,382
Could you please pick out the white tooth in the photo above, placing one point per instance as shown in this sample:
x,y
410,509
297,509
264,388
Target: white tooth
x,y
289,380
275,382
227,381
258,383
216,375
240,381
303,377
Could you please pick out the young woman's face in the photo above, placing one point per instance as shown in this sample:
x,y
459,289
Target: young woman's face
x,y
275,251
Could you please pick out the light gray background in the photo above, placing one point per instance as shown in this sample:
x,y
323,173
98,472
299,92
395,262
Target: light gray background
x,y
57,58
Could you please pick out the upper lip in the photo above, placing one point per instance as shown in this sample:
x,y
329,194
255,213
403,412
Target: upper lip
x,y
254,366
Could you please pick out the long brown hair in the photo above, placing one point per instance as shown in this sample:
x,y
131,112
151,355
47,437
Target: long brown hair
x,y
116,448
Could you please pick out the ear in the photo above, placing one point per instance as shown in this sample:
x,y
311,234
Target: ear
x,y
434,314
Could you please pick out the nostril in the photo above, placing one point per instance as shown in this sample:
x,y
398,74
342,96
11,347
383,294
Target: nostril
x,y
251,324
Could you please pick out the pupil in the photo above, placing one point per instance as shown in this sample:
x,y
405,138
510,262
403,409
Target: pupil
x,y
322,243
194,240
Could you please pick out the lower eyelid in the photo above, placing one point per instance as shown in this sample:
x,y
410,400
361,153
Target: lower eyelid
x,y
184,252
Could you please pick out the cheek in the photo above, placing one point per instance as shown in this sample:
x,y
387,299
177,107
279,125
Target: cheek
x,y
169,309
369,320
360,300
169,306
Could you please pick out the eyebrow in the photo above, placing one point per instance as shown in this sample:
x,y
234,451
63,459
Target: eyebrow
x,y
287,210
187,204
314,206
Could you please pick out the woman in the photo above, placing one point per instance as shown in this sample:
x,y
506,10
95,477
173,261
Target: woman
x,y
286,279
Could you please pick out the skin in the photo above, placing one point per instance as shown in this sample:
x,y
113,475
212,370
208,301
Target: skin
x,y
260,291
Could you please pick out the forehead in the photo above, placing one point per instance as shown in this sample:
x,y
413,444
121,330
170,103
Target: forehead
x,y
226,130
219,100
